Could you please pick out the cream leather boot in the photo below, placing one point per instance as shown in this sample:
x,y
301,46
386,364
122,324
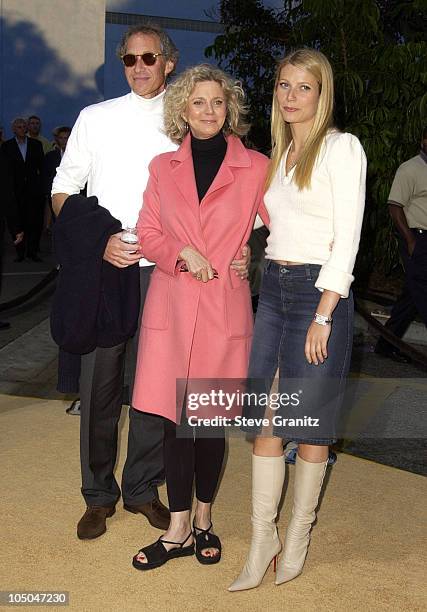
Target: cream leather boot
x,y
307,486
268,474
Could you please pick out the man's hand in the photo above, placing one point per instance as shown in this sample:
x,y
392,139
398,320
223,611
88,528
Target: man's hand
x,y
399,219
241,266
197,264
411,242
121,254
19,237
58,200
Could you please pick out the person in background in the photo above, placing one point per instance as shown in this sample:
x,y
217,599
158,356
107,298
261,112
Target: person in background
x,y
25,158
52,160
34,126
304,324
407,205
8,213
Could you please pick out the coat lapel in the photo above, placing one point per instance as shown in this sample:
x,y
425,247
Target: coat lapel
x,y
235,157
17,151
182,172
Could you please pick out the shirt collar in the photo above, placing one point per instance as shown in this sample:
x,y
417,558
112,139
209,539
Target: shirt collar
x,y
149,105
423,156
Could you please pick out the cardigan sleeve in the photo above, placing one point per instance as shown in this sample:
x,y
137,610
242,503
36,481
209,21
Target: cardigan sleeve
x,y
262,217
346,162
157,245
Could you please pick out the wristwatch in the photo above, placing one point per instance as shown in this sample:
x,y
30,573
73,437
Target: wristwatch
x,y
321,319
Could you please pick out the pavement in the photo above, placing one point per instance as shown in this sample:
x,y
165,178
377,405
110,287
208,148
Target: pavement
x,y
386,419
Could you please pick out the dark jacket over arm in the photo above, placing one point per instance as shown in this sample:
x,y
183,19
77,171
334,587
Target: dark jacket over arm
x,y
95,303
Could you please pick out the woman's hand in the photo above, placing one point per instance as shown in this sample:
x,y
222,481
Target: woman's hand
x,y
197,264
316,343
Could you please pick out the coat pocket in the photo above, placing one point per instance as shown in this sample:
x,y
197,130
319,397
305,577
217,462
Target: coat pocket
x,y
238,312
156,307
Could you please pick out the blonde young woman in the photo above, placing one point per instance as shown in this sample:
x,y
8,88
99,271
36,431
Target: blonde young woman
x,y
315,200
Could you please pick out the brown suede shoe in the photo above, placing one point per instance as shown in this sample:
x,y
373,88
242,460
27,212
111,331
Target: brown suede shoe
x,y
157,514
92,524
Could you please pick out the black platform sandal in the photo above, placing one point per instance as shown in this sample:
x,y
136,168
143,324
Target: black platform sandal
x,y
205,540
157,555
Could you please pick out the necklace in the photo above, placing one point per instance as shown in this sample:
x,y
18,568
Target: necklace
x,y
291,159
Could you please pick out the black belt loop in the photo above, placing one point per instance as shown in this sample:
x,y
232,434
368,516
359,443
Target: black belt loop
x,y
307,271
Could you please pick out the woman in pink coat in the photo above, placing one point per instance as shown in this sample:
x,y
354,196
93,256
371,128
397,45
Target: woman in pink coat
x,y
199,210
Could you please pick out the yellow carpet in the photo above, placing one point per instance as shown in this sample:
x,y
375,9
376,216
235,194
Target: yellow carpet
x,y
366,552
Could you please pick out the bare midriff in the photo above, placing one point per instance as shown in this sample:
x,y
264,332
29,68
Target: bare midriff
x,y
288,263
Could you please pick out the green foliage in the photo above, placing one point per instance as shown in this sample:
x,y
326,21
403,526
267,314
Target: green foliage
x,y
378,52
253,37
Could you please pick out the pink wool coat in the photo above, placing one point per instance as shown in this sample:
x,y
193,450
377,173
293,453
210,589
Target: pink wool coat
x,y
190,329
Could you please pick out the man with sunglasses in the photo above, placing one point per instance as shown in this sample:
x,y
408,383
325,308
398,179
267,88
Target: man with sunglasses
x,y
114,164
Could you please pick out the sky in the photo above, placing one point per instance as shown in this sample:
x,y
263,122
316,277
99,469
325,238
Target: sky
x,y
191,44
188,9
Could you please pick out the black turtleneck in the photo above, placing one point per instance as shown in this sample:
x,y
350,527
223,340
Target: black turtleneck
x,y
208,156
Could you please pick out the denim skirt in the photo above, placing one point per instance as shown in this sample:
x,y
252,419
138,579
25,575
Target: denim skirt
x,y
307,405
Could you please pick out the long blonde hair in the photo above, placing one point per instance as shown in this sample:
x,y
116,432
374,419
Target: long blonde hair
x,y
281,136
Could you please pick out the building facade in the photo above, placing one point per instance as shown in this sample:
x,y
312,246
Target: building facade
x,y
57,56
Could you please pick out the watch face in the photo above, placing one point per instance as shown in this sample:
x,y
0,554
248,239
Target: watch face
x,y
321,319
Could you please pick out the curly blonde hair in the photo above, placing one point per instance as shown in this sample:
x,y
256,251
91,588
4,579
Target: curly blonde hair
x,y
178,93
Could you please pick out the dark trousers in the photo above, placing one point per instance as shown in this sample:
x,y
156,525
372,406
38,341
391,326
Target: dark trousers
x,y
2,228
192,454
413,299
32,213
101,388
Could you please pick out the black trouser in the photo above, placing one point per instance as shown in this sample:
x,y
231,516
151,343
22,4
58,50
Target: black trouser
x,y
413,298
191,455
101,388
32,215
2,228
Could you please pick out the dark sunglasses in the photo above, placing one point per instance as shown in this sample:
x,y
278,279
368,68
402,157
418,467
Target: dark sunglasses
x,y
149,59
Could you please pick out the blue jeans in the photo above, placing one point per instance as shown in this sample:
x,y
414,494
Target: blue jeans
x,y
308,393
